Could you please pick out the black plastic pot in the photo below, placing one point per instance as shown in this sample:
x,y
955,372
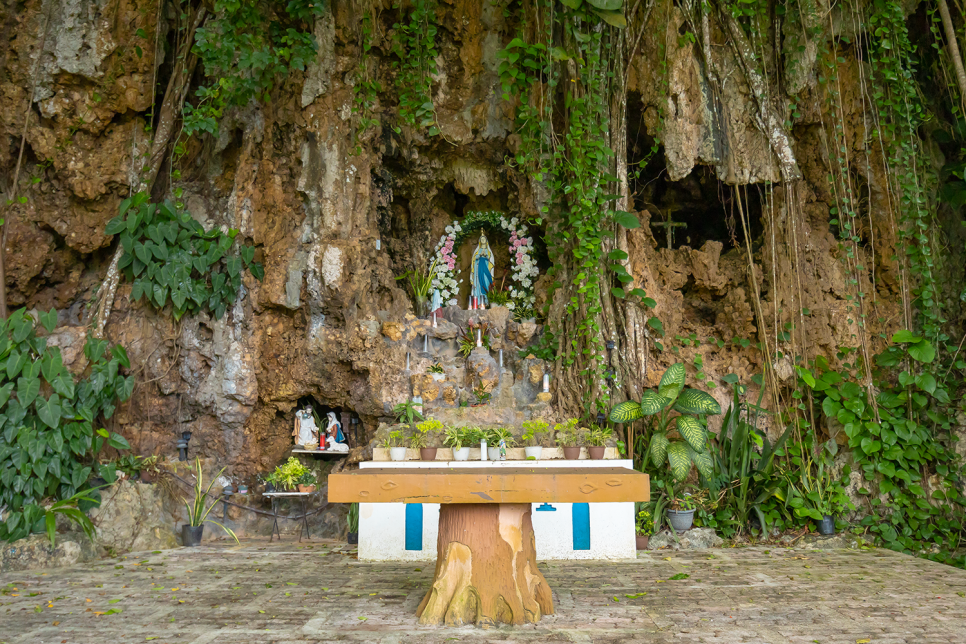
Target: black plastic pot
x,y
353,538
191,534
827,525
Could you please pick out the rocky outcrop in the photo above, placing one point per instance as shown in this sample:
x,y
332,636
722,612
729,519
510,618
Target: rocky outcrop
x,y
132,517
35,552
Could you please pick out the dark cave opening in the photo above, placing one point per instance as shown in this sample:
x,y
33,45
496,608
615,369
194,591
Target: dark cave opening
x,y
693,210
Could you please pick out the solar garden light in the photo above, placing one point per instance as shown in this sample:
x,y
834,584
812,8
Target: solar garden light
x,y
183,446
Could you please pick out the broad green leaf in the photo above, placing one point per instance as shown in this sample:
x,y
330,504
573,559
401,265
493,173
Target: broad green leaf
x,y
704,462
659,445
905,336
626,412
15,362
49,411
49,320
613,18
606,5
694,401
5,392
691,430
926,382
652,402
627,219
679,459
672,381
923,351
27,390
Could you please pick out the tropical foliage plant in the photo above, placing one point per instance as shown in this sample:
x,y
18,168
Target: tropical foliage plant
x,y
659,407
49,446
170,257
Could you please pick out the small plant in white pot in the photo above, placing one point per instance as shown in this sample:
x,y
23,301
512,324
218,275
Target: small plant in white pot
x,y
454,437
532,429
495,437
397,452
436,371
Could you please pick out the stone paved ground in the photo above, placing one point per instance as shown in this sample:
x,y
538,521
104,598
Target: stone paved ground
x,y
285,593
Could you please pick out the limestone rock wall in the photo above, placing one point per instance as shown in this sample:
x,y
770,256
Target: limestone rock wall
x,y
330,321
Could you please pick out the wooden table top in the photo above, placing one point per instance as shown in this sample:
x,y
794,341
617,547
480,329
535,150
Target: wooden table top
x,y
477,485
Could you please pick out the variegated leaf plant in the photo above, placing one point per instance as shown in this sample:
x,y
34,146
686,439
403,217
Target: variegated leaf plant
x,y
671,396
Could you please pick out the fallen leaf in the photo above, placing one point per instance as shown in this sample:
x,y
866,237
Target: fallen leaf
x,y
865,641
113,601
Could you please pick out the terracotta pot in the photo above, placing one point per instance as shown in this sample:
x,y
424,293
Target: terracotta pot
x,y
642,541
596,452
191,534
306,488
571,453
427,453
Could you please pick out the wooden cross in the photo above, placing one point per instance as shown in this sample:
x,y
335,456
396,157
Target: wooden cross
x,y
669,227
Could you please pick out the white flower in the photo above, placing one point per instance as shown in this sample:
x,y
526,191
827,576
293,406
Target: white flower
x,y
449,229
451,302
513,221
457,228
510,305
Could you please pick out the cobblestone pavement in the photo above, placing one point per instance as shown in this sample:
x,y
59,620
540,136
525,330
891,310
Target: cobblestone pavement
x,y
261,593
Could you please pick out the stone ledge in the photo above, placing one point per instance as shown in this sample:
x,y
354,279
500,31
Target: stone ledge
x,y
34,552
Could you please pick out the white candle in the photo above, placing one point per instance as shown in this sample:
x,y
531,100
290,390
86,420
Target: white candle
x,y
434,319
426,343
546,383
479,338
378,244
407,362
501,358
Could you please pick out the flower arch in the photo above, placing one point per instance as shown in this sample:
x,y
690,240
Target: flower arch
x,y
524,270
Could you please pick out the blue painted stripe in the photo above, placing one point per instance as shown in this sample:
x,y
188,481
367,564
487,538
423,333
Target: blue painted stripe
x,y
414,526
581,520
546,507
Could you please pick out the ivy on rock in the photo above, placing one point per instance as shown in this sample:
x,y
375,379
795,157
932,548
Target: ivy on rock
x,y
49,445
169,256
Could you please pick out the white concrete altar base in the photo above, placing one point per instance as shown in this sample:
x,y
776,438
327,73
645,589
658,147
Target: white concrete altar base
x,y
561,533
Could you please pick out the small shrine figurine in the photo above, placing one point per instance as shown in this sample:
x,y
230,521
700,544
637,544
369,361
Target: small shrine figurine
x,y
306,433
334,438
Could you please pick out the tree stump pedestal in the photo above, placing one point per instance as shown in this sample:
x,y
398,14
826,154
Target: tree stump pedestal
x,y
486,568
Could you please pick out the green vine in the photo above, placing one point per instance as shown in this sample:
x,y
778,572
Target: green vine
x,y
170,257
414,45
366,88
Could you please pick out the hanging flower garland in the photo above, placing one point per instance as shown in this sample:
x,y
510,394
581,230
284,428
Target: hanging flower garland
x,y
524,266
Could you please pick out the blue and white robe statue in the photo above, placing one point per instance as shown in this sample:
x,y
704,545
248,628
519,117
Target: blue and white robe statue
x,y
481,274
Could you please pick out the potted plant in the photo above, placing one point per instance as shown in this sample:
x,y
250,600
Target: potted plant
x,y
436,371
287,475
482,395
532,429
597,440
814,493
454,437
493,438
392,442
192,531
645,528
353,520
568,437
307,482
421,438
681,513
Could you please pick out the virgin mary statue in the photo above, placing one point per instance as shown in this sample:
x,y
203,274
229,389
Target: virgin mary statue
x,y
481,274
